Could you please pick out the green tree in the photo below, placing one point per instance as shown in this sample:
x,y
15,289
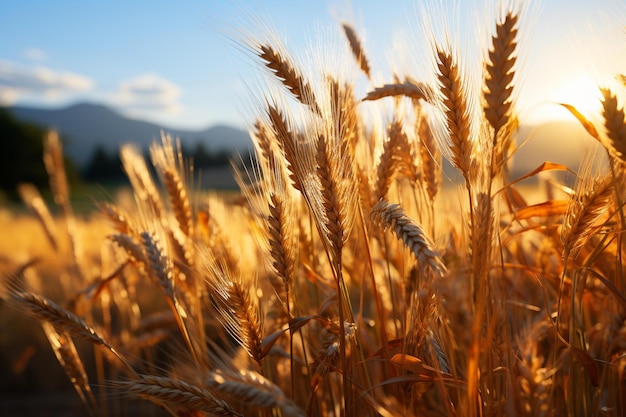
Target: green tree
x,y
104,166
21,159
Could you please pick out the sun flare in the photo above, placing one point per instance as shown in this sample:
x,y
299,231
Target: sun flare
x,y
581,91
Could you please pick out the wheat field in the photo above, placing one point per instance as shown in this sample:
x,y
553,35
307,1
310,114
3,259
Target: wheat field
x,y
348,277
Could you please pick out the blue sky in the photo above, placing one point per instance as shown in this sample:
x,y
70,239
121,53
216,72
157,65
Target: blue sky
x,y
176,62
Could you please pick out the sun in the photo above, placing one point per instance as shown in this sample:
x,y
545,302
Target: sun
x,y
581,91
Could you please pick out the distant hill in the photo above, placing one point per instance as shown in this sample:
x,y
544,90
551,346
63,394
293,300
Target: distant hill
x,y
87,125
563,142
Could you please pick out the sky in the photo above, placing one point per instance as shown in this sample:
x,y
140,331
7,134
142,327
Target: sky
x,y
182,64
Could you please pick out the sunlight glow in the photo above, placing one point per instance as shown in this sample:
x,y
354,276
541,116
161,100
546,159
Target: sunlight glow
x,y
581,91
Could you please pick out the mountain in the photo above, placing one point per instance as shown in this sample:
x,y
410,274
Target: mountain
x,y
85,126
563,142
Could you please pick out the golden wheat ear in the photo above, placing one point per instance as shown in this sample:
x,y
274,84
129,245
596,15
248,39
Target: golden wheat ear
x,y
289,76
500,73
55,166
63,320
32,199
357,49
67,355
164,390
588,204
141,180
238,308
167,158
408,88
410,233
454,105
615,124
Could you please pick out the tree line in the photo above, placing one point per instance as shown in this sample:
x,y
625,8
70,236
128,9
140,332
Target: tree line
x,y
21,159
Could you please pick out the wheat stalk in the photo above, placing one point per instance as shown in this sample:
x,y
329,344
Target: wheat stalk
x,y
53,158
141,180
55,166
33,199
430,156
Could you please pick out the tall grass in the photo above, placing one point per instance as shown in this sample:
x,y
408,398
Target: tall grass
x,y
341,283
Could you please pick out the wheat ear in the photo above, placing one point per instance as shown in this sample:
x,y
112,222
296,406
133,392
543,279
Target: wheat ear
x,y
357,49
252,389
121,221
177,392
67,355
262,139
161,270
499,78
455,109
615,124
287,141
397,156
409,89
410,233
171,167
54,162
333,194
344,113
53,159
238,309
281,66
63,320
430,156
590,201
141,179
31,197
282,240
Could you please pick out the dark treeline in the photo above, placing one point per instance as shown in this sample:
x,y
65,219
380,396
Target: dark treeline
x,y
106,166
21,159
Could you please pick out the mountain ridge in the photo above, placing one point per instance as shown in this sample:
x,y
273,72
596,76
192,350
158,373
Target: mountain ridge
x,y
86,126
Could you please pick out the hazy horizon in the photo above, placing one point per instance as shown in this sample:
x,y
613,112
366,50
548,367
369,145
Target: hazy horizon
x,y
181,64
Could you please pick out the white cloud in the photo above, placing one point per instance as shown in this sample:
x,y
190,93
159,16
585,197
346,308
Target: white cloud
x,y
148,93
34,54
19,81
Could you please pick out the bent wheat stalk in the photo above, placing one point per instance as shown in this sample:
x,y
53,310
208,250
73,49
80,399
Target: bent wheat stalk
x,y
177,392
410,233
63,320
